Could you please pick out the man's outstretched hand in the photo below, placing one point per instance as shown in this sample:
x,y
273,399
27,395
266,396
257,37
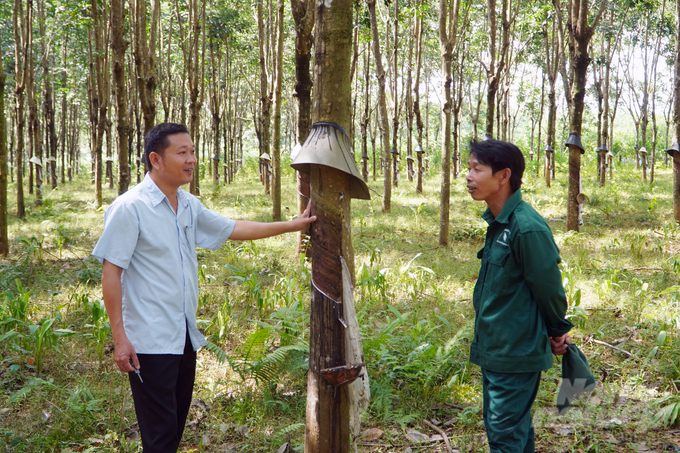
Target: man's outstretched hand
x,y
304,219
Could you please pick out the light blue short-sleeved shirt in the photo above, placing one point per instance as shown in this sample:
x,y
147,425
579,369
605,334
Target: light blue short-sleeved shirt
x,y
157,250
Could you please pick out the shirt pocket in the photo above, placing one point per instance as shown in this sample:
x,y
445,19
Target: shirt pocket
x,y
190,237
498,277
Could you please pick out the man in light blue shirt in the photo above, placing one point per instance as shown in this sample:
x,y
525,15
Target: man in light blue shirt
x,y
150,284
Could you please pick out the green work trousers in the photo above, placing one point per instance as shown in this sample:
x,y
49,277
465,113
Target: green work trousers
x,y
507,410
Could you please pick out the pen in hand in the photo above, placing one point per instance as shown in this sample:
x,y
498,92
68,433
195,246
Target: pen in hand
x,y
137,372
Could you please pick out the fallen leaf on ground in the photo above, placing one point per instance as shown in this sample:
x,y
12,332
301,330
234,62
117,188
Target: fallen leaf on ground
x,y
416,436
372,433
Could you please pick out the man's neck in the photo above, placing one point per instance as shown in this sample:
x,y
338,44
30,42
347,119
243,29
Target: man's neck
x,y
169,191
496,203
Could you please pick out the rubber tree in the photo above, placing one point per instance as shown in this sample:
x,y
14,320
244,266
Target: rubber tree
x,y
303,15
144,52
276,136
448,31
676,116
416,95
4,240
264,118
327,421
579,36
119,46
382,108
22,37
100,90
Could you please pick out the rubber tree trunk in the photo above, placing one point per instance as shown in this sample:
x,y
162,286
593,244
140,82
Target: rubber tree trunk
x,y
119,46
382,106
22,36
676,115
448,22
4,242
276,138
327,424
580,36
303,14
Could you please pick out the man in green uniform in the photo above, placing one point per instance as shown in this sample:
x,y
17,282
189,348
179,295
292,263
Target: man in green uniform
x,y
519,299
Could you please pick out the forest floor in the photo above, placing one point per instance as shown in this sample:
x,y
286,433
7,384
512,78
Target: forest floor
x,y
61,391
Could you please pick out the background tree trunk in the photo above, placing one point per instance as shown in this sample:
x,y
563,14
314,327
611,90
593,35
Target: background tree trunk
x,y
303,16
100,91
676,115
382,105
416,97
448,29
580,34
50,164
265,97
278,80
119,46
4,240
22,37
144,51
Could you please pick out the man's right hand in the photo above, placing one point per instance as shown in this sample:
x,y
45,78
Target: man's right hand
x,y
559,344
125,356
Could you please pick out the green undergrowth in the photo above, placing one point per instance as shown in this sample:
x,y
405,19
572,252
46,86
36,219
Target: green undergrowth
x,y
62,392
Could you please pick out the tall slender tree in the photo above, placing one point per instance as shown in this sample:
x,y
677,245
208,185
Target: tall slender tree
x,y
119,46
22,37
448,33
144,51
382,106
676,115
264,118
303,15
278,81
100,89
4,240
580,34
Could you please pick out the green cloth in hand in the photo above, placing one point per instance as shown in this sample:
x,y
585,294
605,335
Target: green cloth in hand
x,y
576,378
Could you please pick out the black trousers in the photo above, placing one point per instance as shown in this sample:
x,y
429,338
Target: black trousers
x,y
163,399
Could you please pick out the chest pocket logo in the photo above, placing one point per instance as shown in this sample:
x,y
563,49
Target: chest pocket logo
x,y
504,237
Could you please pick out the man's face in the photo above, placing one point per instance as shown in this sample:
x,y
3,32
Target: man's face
x,y
482,183
176,166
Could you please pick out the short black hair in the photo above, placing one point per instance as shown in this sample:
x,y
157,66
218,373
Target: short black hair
x,y
500,155
156,140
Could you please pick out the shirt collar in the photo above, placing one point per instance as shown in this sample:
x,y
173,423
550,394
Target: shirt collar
x,y
156,195
508,209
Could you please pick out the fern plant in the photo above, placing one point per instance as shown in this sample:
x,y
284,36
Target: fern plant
x,y
669,414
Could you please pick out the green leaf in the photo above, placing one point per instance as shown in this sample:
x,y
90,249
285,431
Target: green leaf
x,y
661,339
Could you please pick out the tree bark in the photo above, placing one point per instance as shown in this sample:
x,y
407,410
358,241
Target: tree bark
x,y
303,15
278,80
4,239
264,119
676,115
50,164
580,34
327,427
448,29
22,37
382,106
119,46
144,51
416,98
100,95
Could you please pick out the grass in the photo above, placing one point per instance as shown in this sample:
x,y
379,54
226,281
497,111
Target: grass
x,y
414,306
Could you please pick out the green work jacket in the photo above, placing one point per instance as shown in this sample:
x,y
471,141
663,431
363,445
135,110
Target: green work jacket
x,y
519,299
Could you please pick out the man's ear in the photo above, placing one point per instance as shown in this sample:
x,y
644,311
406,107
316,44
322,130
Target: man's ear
x,y
154,160
505,176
